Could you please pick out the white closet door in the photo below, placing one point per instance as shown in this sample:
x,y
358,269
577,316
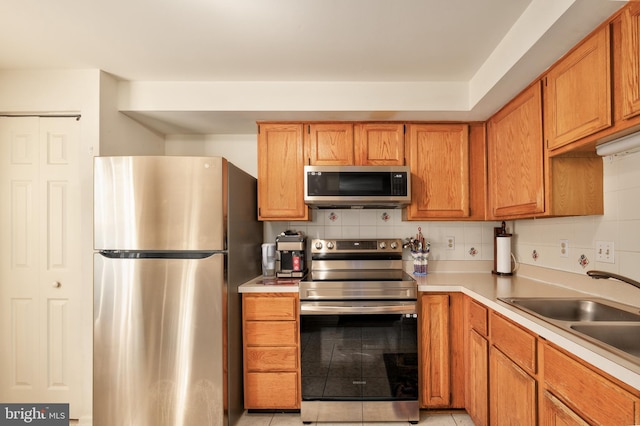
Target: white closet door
x,y
40,261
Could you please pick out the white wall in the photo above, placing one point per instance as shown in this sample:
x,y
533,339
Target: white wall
x,y
620,224
241,150
119,134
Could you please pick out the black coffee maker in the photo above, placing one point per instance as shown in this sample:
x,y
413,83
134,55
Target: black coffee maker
x,y
290,255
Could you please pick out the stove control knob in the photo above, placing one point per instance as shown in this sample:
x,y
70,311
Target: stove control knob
x,y
330,245
394,245
383,245
318,245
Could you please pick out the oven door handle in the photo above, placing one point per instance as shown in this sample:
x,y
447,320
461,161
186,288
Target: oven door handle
x,y
324,308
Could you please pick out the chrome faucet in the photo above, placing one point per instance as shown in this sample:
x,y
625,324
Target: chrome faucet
x,y
604,274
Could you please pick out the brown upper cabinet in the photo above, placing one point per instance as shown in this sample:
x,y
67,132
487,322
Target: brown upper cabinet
x,y
515,151
281,172
524,180
330,144
630,58
438,155
578,92
447,164
359,144
379,144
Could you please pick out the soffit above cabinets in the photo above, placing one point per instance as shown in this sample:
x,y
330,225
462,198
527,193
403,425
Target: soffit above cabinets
x,y
356,60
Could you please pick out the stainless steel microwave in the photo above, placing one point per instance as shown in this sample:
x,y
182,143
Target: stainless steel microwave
x,y
357,186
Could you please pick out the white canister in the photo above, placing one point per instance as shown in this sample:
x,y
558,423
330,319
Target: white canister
x,y
269,260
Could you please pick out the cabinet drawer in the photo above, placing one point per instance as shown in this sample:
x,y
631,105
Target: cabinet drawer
x,y
276,307
270,333
271,359
593,397
271,390
478,317
514,342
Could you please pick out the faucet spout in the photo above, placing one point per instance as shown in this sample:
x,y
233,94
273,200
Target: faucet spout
x,y
604,274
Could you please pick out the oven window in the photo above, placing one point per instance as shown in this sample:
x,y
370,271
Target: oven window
x,y
359,357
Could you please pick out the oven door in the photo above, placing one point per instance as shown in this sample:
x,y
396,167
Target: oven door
x,y
359,361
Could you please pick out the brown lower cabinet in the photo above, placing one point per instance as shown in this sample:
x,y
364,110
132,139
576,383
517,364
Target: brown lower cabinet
x,y
270,331
512,392
516,377
441,350
512,373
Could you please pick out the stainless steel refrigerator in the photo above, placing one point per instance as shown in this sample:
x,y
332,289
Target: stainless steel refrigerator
x,y
174,237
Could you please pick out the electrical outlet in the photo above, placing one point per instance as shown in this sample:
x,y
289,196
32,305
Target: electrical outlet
x,y
564,248
605,252
451,243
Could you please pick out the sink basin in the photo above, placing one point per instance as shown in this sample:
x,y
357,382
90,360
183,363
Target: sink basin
x,y
575,310
612,326
624,337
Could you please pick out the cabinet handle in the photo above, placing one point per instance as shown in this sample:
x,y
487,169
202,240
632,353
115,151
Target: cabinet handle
x,y
56,284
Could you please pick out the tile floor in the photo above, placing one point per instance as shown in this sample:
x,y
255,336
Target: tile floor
x,y
293,419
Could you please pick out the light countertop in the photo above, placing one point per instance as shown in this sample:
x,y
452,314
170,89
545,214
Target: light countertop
x,y
486,288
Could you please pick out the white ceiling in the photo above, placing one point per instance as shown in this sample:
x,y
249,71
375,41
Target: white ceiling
x,y
495,47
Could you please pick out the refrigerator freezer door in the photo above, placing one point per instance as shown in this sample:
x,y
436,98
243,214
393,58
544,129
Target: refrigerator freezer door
x,y
159,203
159,332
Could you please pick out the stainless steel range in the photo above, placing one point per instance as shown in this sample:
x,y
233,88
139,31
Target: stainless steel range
x,y
359,333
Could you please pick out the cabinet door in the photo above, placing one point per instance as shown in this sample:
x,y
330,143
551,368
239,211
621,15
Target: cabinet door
x,y
379,144
631,60
281,172
516,157
330,144
438,155
477,389
554,413
434,349
578,92
512,392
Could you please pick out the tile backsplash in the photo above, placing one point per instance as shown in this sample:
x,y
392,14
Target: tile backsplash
x,y
471,240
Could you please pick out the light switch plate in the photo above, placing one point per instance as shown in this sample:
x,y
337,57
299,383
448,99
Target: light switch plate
x,y
605,252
